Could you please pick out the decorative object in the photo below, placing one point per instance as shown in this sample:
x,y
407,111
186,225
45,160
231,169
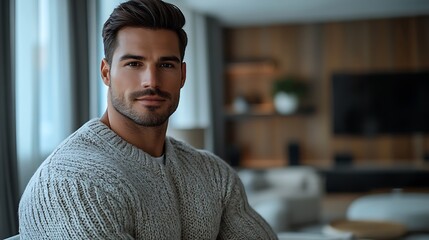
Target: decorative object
x,y
240,104
285,103
287,93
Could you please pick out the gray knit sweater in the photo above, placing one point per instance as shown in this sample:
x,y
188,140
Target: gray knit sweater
x,y
96,185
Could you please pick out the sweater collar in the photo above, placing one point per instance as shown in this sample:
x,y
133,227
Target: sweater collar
x,y
126,149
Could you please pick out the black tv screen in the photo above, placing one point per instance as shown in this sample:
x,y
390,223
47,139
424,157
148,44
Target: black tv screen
x,y
380,103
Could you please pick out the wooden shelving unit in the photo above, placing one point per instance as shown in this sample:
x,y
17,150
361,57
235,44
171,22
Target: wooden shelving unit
x,y
247,135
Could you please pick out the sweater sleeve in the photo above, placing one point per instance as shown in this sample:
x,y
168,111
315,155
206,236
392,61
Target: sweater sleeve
x,y
68,208
239,220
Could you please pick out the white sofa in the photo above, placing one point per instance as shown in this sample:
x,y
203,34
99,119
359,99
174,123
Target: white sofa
x,y
285,197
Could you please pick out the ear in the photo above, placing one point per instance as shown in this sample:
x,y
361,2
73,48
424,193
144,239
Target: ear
x,y
105,72
183,75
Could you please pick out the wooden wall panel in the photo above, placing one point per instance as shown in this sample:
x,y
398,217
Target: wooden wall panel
x,y
381,46
422,47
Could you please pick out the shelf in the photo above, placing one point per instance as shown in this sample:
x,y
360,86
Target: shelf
x,y
262,163
263,112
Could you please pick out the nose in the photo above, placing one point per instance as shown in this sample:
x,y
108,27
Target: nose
x,y
149,78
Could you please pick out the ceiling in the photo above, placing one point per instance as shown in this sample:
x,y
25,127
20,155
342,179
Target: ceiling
x,y
264,12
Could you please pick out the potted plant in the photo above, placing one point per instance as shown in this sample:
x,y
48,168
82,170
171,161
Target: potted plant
x,y
287,93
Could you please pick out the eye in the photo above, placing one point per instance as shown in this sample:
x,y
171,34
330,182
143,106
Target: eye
x,y
167,65
133,64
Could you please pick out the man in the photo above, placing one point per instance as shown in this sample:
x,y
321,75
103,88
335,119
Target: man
x,y
120,177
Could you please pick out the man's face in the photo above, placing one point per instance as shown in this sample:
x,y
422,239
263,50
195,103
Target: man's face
x,y
145,75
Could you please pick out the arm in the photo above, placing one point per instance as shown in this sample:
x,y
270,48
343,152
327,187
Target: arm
x,y
239,220
71,209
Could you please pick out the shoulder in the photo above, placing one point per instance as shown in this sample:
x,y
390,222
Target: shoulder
x,y
199,157
56,200
83,157
204,164
89,138
62,182
92,147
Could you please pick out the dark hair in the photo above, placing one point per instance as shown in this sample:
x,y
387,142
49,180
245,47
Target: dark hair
x,y
154,14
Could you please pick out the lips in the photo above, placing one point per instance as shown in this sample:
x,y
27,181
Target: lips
x,y
150,100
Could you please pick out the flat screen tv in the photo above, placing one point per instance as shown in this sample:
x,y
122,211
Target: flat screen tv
x,y
380,103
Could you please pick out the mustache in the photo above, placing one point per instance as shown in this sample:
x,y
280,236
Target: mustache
x,y
150,92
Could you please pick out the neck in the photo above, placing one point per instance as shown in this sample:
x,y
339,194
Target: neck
x,y
149,139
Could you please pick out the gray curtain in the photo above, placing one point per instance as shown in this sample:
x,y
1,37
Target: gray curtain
x,y
9,195
215,36
80,20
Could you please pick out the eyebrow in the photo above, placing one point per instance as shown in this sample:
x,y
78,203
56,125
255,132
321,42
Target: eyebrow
x,y
131,56
170,58
161,59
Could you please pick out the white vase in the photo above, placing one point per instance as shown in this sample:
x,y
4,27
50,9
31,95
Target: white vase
x,y
285,103
240,105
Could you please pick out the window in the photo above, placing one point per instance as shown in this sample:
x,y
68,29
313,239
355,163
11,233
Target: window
x,y
42,71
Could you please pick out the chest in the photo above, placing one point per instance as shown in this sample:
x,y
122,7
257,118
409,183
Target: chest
x,y
189,205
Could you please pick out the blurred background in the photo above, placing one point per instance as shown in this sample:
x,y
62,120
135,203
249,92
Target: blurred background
x,y
336,85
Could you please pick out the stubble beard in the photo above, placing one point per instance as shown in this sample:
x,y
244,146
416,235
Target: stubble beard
x,y
151,118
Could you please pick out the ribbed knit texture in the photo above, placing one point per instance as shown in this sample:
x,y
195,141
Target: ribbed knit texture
x,y
95,185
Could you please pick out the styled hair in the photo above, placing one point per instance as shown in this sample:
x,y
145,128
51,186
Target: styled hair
x,y
154,14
